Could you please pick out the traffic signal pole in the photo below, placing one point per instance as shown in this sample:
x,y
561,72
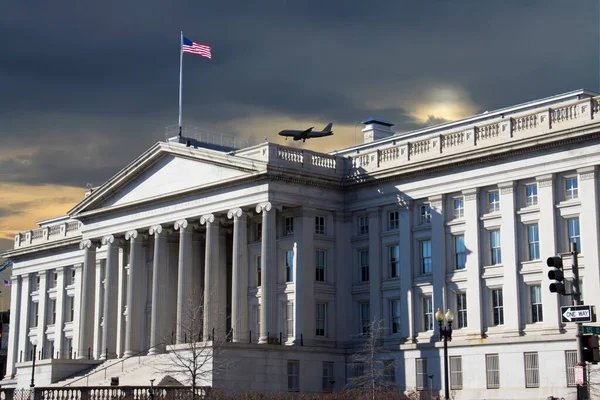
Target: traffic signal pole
x,y
582,390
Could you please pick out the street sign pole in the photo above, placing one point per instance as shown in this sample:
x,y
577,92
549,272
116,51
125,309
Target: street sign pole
x,y
582,392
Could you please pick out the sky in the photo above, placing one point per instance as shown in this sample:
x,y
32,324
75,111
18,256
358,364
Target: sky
x,y
86,87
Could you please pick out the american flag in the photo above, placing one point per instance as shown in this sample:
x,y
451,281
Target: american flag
x,y
195,48
7,283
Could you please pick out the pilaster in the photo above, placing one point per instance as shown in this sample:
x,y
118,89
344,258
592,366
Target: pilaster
x,y
343,277
60,312
472,245
375,263
407,295
25,319
98,309
14,328
304,275
588,220
438,252
42,315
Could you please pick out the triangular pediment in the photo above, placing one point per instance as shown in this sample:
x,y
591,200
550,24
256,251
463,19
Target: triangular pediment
x,y
167,170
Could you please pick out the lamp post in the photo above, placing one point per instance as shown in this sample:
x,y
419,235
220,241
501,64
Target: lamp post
x,y
445,335
32,385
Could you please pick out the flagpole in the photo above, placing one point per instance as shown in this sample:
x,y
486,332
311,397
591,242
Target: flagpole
x,y
180,77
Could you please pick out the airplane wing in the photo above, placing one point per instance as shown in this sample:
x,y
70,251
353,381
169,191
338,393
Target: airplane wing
x,y
306,132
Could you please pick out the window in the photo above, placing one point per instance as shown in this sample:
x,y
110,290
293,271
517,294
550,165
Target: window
x,y
497,307
425,256
421,368
573,233
425,214
321,314
363,225
73,272
395,315
389,371
492,371
495,247
461,310
320,265
427,313
456,375
493,201
535,293
289,265
71,305
34,315
570,363
459,207
393,220
394,261
571,188
289,226
53,279
533,240
532,372
460,252
531,196
328,376
364,265
320,225
37,283
258,231
289,318
51,311
258,270
69,348
293,373
365,318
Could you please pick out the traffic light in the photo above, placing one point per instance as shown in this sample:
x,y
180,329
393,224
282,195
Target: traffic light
x,y
591,353
556,274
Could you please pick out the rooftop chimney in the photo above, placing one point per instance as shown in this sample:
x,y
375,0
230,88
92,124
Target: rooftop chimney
x,y
376,128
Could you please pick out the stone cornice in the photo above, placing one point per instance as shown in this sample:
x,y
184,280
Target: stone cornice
x,y
43,247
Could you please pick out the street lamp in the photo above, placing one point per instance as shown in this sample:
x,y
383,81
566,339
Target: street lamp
x,y
445,335
32,385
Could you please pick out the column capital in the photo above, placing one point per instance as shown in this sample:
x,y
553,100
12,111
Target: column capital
x,y
60,269
544,180
507,187
436,201
236,213
111,239
470,194
133,235
587,173
159,229
264,207
207,219
89,244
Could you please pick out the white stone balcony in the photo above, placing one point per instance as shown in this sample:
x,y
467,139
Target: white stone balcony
x,y
51,232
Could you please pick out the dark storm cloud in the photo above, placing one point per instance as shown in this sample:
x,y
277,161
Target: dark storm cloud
x,y
5,244
89,86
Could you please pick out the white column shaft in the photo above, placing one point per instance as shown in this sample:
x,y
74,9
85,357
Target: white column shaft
x,y
13,330
210,277
511,286
109,334
438,253
588,221
474,296
407,297
239,279
375,263
98,311
158,333
86,312
43,352
304,271
268,309
135,305
60,313
24,319
184,283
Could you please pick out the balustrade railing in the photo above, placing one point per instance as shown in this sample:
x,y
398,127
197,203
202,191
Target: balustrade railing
x,y
422,147
487,132
453,139
525,123
107,393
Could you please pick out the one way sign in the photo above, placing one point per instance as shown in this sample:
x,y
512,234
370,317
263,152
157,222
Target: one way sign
x,y
577,314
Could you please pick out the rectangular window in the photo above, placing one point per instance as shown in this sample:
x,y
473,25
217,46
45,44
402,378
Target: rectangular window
x,y
531,195
320,265
363,225
289,318
53,279
492,371
289,265
498,307
72,280
461,310
460,252
68,348
421,368
328,380
571,188
34,315
320,225
456,375
289,226
427,313
364,265
573,233
395,315
425,214
37,283
389,371
51,311
535,293
459,207
321,314
365,318
394,261
258,231
533,241
71,314
425,256
258,270
293,373
495,247
393,220
532,371
493,201
570,363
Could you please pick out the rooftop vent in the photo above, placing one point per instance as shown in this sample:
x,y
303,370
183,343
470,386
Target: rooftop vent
x,y
375,129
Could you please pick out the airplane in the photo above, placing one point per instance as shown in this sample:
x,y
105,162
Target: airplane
x,y
308,133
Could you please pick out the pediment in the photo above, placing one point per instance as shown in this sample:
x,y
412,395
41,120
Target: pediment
x,y
161,172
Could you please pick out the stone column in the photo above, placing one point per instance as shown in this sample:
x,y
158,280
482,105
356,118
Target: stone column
x,y
158,324
221,294
121,300
210,274
184,283
304,273
438,253
547,231
86,312
472,265
135,305
41,323
407,295
239,276
98,310
588,221
375,263
344,330
511,292
111,294
268,300
25,319
60,312
13,330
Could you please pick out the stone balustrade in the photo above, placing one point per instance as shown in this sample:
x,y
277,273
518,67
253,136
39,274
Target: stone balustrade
x,y
50,233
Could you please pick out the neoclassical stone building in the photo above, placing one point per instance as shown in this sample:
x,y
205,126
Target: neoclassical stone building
x,y
291,254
